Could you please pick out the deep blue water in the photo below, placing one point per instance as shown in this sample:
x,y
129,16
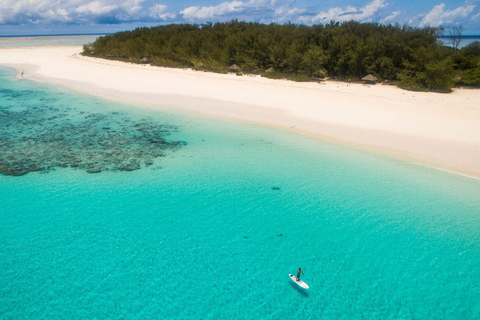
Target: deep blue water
x,y
204,233
44,40
465,40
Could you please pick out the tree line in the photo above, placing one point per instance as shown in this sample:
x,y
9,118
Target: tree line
x,y
409,57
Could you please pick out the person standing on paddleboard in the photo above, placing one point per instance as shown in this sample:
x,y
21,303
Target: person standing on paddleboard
x,y
299,271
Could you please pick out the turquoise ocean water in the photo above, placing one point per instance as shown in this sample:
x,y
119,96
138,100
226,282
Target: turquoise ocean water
x,y
212,230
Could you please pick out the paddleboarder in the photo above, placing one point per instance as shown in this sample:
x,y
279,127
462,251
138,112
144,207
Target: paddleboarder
x,y
299,271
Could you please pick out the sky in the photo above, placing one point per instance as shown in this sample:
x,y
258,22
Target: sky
x,y
32,17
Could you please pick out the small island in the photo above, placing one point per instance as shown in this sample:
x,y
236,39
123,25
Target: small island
x,y
411,58
436,129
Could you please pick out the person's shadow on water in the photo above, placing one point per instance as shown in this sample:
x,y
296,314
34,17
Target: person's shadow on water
x,y
299,289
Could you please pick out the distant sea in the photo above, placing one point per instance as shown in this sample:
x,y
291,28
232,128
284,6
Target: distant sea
x,y
212,229
465,40
44,40
75,39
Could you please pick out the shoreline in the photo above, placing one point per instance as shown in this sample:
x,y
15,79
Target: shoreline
x,y
433,129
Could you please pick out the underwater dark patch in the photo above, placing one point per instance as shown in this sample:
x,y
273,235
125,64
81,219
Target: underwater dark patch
x,y
37,137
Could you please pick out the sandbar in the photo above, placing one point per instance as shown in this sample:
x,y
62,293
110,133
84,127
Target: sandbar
x,y
433,129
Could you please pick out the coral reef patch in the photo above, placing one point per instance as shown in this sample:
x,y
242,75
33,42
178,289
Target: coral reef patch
x,y
39,134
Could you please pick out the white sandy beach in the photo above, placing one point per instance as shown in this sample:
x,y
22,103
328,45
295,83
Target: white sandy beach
x,y
441,130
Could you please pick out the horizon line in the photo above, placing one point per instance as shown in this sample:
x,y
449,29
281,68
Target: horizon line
x,y
54,35
108,33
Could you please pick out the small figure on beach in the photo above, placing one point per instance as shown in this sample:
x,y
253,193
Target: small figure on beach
x,y
299,271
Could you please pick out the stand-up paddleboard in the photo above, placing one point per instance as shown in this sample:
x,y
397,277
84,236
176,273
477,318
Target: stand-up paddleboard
x,y
300,283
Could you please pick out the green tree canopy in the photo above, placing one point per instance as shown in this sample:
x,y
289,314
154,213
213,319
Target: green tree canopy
x,y
347,51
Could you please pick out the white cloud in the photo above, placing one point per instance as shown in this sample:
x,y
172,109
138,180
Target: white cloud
x,y
392,16
438,15
17,12
371,9
70,11
115,11
157,12
251,10
284,12
205,13
95,8
351,13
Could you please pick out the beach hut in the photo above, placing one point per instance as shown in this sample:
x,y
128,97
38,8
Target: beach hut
x,y
145,60
370,79
233,68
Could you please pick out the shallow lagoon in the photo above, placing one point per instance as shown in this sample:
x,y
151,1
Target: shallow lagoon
x,y
212,230
42,131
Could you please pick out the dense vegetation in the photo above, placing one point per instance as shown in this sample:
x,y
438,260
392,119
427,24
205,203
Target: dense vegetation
x,y
410,57
466,64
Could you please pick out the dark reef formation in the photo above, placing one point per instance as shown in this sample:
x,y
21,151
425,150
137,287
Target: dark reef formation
x,y
41,137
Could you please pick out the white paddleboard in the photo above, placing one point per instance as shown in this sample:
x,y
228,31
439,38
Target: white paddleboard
x,y
300,283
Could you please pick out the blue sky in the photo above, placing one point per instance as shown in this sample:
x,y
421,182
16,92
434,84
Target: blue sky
x,y
99,16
